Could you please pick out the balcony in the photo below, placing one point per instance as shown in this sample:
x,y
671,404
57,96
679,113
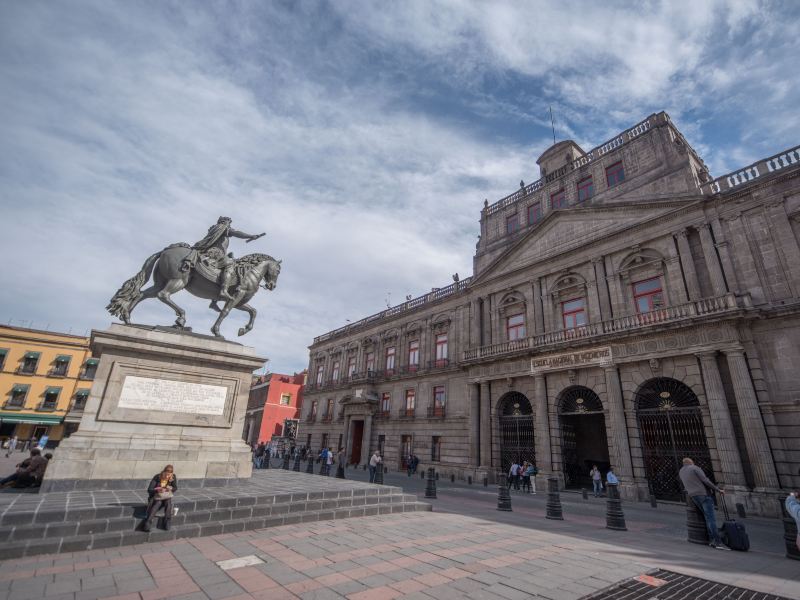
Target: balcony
x,y
25,370
78,405
382,414
686,314
88,374
327,418
408,413
57,372
439,363
47,406
436,412
311,418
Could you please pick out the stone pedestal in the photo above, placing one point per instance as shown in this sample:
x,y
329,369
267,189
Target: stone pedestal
x,y
159,397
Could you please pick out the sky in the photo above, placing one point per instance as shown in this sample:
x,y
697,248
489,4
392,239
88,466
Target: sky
x,y
361,137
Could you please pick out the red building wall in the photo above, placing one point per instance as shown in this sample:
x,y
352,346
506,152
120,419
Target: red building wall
x,y
274,411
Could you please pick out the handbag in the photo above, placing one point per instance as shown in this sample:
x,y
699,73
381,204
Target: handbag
x,y
164,495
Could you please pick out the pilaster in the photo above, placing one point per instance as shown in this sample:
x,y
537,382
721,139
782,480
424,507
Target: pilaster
x,y
687,263
541,421
712,262
486,426
474,423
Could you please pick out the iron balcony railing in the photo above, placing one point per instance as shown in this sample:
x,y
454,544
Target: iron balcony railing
x,y
669,314
327,418
408,413
436,412
383,414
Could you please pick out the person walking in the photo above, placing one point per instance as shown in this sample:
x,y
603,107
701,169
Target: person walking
x,y
697,487
513,475
611,477
160,492
258,455
12,445
340,458
529,478
374,462
597,481
329,461
526,477
793,508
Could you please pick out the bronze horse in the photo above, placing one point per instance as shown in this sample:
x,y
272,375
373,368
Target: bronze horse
x,y
171,275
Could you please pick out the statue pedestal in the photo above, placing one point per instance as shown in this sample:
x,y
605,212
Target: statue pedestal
x,y
159,397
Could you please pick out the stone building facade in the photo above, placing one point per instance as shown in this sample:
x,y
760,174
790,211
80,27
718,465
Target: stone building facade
x,y
625,309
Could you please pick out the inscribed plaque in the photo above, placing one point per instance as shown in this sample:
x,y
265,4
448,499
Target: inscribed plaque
x,y
145,393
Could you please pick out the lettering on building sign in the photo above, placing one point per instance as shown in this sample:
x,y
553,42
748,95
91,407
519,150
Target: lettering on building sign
x,y
145,393
570,360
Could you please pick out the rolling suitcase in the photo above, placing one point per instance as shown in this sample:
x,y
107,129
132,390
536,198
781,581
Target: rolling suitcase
x,y
733,533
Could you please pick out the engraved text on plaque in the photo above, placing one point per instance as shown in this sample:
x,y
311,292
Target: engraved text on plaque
x,y
145,393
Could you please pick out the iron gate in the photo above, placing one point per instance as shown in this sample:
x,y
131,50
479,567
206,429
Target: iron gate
x,y
516,431
574,403
671,428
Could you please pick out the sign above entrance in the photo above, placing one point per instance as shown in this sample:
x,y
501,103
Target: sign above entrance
x,y
598,357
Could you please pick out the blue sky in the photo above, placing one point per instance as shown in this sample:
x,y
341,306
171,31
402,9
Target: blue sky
x,y
361,136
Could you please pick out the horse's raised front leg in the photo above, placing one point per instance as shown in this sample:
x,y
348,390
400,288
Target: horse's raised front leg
x,y
213,306
172,286
229,305
252,312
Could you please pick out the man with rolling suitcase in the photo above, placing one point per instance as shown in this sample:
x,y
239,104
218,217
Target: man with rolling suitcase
x,y
733,533
697,487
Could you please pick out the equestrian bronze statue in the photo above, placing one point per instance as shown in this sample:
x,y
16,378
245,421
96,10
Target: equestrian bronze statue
x,y
205,270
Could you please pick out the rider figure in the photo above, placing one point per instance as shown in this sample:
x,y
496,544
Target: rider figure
x,y
216,244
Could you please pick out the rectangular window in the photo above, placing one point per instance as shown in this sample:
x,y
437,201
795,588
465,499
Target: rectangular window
x,y
381,444
512,224
351,366
341,437
308,441
286,399
558,199
386,403
320,370
436,448
335,373
324,441
615,174
406,449
61,365
50,401
438,401
648,295
390,360
29,363
411,402
441,350
534,213
18,395
585,189
329,409
574,313
413,355
3,354
313,413
90,368
80,399
369,362
515,327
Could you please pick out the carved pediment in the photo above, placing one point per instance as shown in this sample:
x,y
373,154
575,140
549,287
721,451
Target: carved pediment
x,y
440,323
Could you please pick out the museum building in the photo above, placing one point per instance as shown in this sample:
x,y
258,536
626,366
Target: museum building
x,y
625,309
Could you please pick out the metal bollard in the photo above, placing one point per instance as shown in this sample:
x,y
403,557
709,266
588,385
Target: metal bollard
x,y
310,466
452,478
378,476
741,511
296,466
503,495
437,477
696,531
789,533
430,484
553,500
653,502
585,493
485,481
615,518
469,479
286,459
422,474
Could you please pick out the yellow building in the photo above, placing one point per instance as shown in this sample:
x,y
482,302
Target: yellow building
x,y
45,378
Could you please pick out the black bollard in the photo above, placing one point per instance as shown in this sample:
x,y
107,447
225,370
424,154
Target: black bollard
x,y
310,466
696,532
789,533
485,481
430,484
741,511
553,500
452,478
615,518
503,495
296,466
378,476
469,479
437,477
585,493
286,459
653,502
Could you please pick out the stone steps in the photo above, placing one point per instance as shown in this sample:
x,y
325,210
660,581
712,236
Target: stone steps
x,y
52,531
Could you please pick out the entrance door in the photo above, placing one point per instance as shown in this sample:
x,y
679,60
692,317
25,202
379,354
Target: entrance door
x,y
355,443
516,431
583,436
671,428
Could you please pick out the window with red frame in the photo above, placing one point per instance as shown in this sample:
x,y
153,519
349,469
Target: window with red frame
x,y
558,199
413,355
441,350
585,189
314,409
335,373
369,362
436,448
438,400
574,313
512,224
320,370
515,327
351,366
386,402
648,295
615,174
534,213
390,352
411,402
329,409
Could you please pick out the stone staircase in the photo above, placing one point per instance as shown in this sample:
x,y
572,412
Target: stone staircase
x,y
77,521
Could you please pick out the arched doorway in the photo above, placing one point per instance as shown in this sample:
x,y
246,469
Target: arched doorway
x,y
516,430
583,435
670,428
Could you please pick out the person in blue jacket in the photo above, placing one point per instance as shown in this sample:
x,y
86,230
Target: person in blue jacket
x,y
793,508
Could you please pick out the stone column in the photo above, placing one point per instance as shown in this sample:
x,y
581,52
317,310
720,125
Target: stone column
x,y
538,313
541,422
474,424
621,457
786,242
755,434
724,254
687,263
366,449
347,441
712,262
552,323
475,323
486,321
593,301
602,288
486,426
724,434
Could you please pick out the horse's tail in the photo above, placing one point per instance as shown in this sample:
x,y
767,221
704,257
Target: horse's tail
x,y
120,303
